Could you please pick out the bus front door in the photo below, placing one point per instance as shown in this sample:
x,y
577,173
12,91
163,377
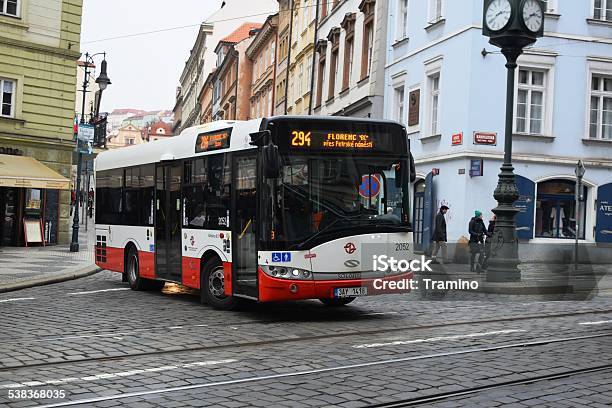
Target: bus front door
x,y
168,253
244,256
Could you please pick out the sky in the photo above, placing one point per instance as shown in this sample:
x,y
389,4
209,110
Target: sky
x,y
144,69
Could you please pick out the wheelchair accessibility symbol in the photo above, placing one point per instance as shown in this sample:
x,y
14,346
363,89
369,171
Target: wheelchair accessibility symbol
x,y
281,256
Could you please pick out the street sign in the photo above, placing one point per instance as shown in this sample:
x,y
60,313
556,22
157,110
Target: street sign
x,y
86,132
485,138
435,171
370,186
457,139
476,168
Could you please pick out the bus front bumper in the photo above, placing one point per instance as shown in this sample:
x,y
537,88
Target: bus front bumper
x,y
273,289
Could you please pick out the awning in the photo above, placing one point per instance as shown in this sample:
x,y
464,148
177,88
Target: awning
x,y
27,172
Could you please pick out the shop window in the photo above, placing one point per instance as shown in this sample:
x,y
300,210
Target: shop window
x,y
555,210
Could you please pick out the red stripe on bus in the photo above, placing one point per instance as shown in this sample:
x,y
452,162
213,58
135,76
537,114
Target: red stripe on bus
x,y
273,289
114,260
227,278
191,272
147,264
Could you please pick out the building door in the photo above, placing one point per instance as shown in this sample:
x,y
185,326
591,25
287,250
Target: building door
x,y
604,214
8,216
168,254
419,206
244,207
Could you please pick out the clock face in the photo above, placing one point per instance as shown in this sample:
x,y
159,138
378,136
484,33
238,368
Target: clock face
x,y
498,14
532,15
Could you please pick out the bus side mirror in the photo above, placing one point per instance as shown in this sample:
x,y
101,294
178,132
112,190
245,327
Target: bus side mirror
x,y
271,161
412,169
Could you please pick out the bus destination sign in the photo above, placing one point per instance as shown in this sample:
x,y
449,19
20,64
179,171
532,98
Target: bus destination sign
x,y
335,140
212,141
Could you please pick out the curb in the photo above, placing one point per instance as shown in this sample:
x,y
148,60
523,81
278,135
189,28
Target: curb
x,y
80,273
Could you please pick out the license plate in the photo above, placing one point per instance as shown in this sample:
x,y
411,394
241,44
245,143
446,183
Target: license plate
x,y
350,292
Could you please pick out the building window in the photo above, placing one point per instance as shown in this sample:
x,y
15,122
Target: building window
x,y
308,75
600,122
556,210
550,6
8,97
349,49
399,104
323,9
530,104
9,7
434,103
321,49
306,13
602,10
334,38
367,8
402,27
435,11
300,86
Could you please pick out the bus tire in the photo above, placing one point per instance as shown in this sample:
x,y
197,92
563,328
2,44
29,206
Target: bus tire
x,y
336,302
132,271
212,286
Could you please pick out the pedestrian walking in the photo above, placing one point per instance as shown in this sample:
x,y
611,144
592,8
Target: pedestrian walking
x,y
90,202
478,231
439,237
488,242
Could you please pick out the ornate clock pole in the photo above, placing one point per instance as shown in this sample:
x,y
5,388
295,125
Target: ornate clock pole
x,y
510,25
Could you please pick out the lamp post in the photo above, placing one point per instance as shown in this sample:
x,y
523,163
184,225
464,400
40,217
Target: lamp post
x,y
103,81
579,171
510,25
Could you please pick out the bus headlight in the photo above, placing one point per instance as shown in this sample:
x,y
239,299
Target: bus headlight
x,y
286,273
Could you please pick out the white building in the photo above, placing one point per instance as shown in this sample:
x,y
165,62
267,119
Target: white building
x,y
448,85
350,58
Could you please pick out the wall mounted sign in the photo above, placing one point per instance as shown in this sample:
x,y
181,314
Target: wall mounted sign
x,y
476,168
457,139
485,138
414,99
603,226
10,151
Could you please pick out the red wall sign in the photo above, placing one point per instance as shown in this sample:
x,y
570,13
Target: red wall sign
x,y
484,138
457,139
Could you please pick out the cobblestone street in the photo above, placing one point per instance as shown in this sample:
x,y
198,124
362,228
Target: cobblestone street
x,y
104,345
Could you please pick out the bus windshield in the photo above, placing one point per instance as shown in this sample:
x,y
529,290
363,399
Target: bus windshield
x,y
319,197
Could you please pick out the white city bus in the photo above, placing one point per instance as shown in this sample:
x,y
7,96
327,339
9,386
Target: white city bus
x,y
273,209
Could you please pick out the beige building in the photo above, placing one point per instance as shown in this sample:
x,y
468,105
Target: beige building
x,y
39,47
262,54
126,136
302,34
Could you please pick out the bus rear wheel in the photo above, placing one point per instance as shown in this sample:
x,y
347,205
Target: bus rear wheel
x,y
212,286
336,302
132,274
132,271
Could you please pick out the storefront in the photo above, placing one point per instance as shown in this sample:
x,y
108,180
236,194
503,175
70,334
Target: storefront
x,y
29,194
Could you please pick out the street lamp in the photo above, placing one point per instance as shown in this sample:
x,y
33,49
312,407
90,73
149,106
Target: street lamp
x,y
510,25
103,81
579,171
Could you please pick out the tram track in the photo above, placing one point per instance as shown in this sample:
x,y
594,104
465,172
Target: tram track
x,y
474,390
415,401
298,339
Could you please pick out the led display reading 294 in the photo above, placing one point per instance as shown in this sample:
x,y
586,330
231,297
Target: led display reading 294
x,y
331,140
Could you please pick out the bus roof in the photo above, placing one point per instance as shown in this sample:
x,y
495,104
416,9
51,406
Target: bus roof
x,y
177,147
183,145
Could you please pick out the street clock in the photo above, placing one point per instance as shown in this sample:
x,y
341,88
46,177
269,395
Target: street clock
x,y
513,23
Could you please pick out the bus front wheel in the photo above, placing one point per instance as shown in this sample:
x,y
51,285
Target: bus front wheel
x,y
212,286
337,302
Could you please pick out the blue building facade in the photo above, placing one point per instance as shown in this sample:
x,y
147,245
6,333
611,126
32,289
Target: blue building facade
x,y
447,84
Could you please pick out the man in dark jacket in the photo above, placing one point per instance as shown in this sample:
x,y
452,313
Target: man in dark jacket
x,y
439,235
478,231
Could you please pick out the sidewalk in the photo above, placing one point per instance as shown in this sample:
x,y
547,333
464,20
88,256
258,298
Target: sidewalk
x,y
22,267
